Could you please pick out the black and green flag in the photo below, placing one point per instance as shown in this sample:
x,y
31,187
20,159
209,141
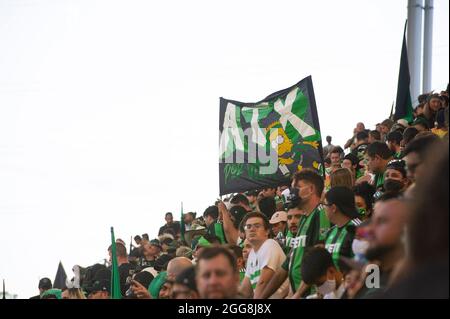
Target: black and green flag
x,y
264,143
403,104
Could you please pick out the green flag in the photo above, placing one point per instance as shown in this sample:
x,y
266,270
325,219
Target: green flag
x,y
115,279
403,104
266,142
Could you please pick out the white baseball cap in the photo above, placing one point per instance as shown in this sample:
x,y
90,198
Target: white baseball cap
x,y
280,216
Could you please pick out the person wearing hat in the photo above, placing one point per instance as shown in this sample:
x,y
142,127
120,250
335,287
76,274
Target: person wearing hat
x,y
278,224
341,210
362,141
100,289
150,251
201,242
52,294
184,286
44,285
144,278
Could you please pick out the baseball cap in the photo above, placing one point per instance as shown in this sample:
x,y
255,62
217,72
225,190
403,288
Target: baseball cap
x,y
187,278
45,283
254,192
280,216
238,213
101,285
48,294
155,242
403,122
144,278
344,199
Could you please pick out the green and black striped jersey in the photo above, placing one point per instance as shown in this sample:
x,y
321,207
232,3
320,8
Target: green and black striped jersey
x,y
311,231
378,181
339,241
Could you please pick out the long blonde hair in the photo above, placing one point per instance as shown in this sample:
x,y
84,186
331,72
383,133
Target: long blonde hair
x,y
342,177
76,293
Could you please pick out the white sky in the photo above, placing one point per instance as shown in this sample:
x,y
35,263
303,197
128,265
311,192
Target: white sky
x,y
109,109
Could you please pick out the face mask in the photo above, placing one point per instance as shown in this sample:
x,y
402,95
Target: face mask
x,y
392,185
362,211
359,246
327,287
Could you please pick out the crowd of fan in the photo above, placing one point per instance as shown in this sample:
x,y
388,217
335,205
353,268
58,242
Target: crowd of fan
x,y
374,224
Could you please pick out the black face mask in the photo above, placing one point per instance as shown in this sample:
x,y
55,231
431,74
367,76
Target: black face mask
x,y
393,186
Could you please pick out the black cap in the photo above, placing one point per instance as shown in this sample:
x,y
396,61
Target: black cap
x,y
144,278
238,213
187,278
254,192
45,283
156,242
101,285
344,199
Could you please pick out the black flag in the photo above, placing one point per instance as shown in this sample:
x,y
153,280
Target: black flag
x,y
403,104
60,278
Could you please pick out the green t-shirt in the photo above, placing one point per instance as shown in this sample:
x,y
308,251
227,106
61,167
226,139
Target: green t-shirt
x,y
339,241
312,230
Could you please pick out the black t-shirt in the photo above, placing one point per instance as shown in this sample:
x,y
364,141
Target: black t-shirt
x,y
175,226
125,271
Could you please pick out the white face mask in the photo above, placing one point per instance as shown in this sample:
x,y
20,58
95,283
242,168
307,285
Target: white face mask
x,y
327,287
359,246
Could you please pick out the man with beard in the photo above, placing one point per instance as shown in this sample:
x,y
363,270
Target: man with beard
x,y
386,248
294,215
312,229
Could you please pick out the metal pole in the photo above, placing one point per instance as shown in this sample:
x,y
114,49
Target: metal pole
x,y
414,43
427,46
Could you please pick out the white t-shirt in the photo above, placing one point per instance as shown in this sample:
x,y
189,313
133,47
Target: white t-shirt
x,y
269,255
337,294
